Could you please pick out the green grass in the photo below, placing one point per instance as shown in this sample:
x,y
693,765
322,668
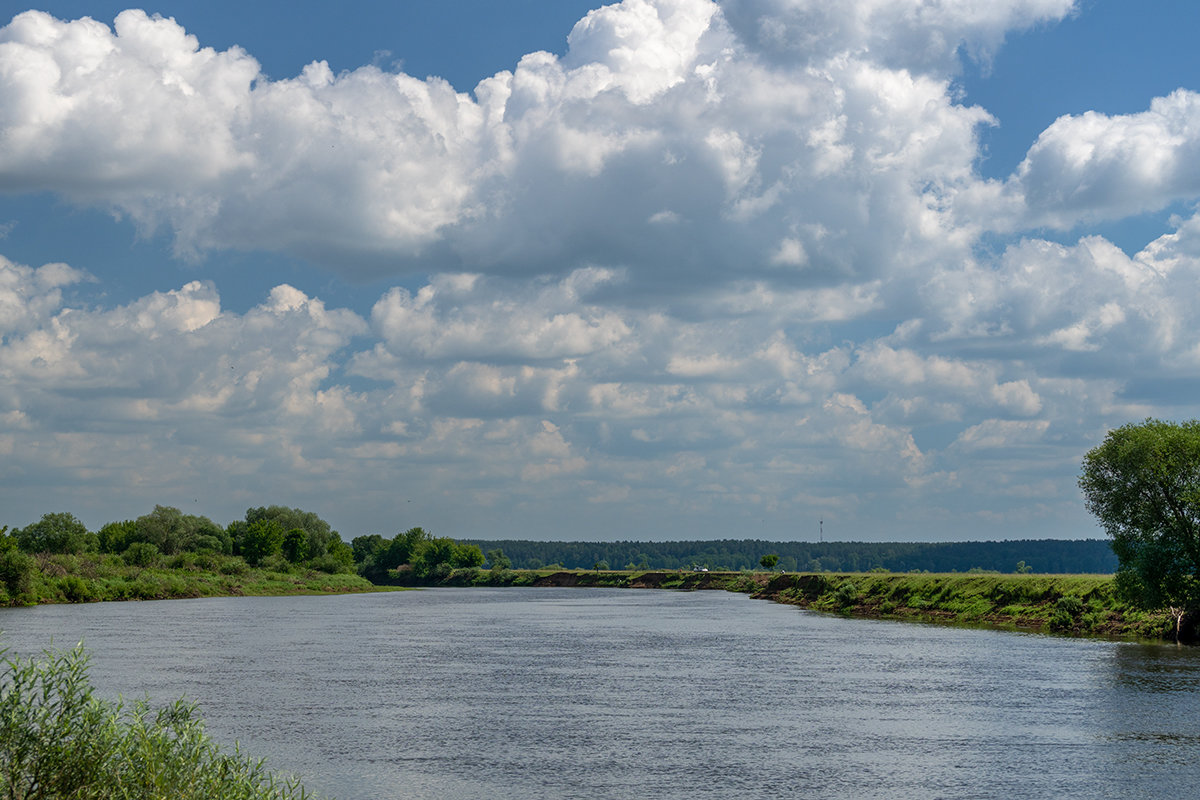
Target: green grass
x,y
95,577
1083,605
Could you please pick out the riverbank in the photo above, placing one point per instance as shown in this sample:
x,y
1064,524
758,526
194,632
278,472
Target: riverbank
x,y
94,577
1072,605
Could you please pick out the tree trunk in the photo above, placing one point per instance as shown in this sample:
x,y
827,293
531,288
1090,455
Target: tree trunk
x,y
1185,624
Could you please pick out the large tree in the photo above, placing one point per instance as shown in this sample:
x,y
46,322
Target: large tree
x,y
57,532
1143,485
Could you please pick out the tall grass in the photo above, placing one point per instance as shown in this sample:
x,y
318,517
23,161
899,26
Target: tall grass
x,y
59,741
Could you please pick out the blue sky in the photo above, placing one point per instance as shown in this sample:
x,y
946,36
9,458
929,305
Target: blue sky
x,y
671,269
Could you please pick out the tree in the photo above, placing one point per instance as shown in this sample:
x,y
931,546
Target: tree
x,y
466,556
404,548
322,539
262,538
1143,485
433,557
114,537
367,546
769,561
56,533
295,545
172,531
498,560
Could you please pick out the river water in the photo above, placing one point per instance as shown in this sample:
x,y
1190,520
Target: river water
x,y
599,693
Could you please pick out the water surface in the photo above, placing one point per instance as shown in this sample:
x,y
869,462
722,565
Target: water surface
x,y
611,693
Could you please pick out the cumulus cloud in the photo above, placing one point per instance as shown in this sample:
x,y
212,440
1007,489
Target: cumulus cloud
x,y
1095,166
916,34
717,262
661,111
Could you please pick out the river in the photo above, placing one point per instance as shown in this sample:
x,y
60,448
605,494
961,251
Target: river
x,y
488,694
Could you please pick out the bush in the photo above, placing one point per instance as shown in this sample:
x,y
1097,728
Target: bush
x,y
275,563
75,589
845,595
140,554
1066,611
16,573
235,566
57,740
331,564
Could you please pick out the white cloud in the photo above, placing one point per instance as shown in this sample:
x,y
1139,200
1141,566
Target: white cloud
x,y
922,33
1095,166
658,112
718,262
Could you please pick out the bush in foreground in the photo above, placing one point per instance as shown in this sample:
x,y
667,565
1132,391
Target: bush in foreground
x,y
57,740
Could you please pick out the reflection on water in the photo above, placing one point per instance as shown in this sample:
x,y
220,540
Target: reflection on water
x,y
565,693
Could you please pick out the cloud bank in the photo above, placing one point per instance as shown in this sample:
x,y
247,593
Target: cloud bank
x,y
717,270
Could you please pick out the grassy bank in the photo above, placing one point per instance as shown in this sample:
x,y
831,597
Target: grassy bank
x,y
93,577
1075,605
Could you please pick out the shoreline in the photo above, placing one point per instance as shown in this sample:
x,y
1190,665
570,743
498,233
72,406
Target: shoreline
x,y
1064,605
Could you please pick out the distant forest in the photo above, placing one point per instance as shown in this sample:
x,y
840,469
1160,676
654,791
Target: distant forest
x,y
1036,555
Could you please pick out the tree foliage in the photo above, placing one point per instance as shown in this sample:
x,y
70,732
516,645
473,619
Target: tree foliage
x,y
1049,555
498,560
319,535
1143,485
172,531
57,532
263,538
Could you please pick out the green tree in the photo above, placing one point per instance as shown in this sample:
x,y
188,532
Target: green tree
x,y
769,561
404,548
498,560
321,537
367,546
17,571
466,556
114,537
140,554
295,545
57,532
172,531
435,557
1143,485
340,558
262,539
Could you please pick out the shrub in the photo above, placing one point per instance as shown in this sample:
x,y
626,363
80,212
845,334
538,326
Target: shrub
x,y
235,566
845,595
16,573
75,589
331,564
182,561
275,563
140,554
57,740
1066,611
209,544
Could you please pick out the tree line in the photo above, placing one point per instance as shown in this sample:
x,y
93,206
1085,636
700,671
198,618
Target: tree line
x,y
271,538
282,539
1034,555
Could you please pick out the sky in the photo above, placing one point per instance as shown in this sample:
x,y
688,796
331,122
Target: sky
x,y
664,269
